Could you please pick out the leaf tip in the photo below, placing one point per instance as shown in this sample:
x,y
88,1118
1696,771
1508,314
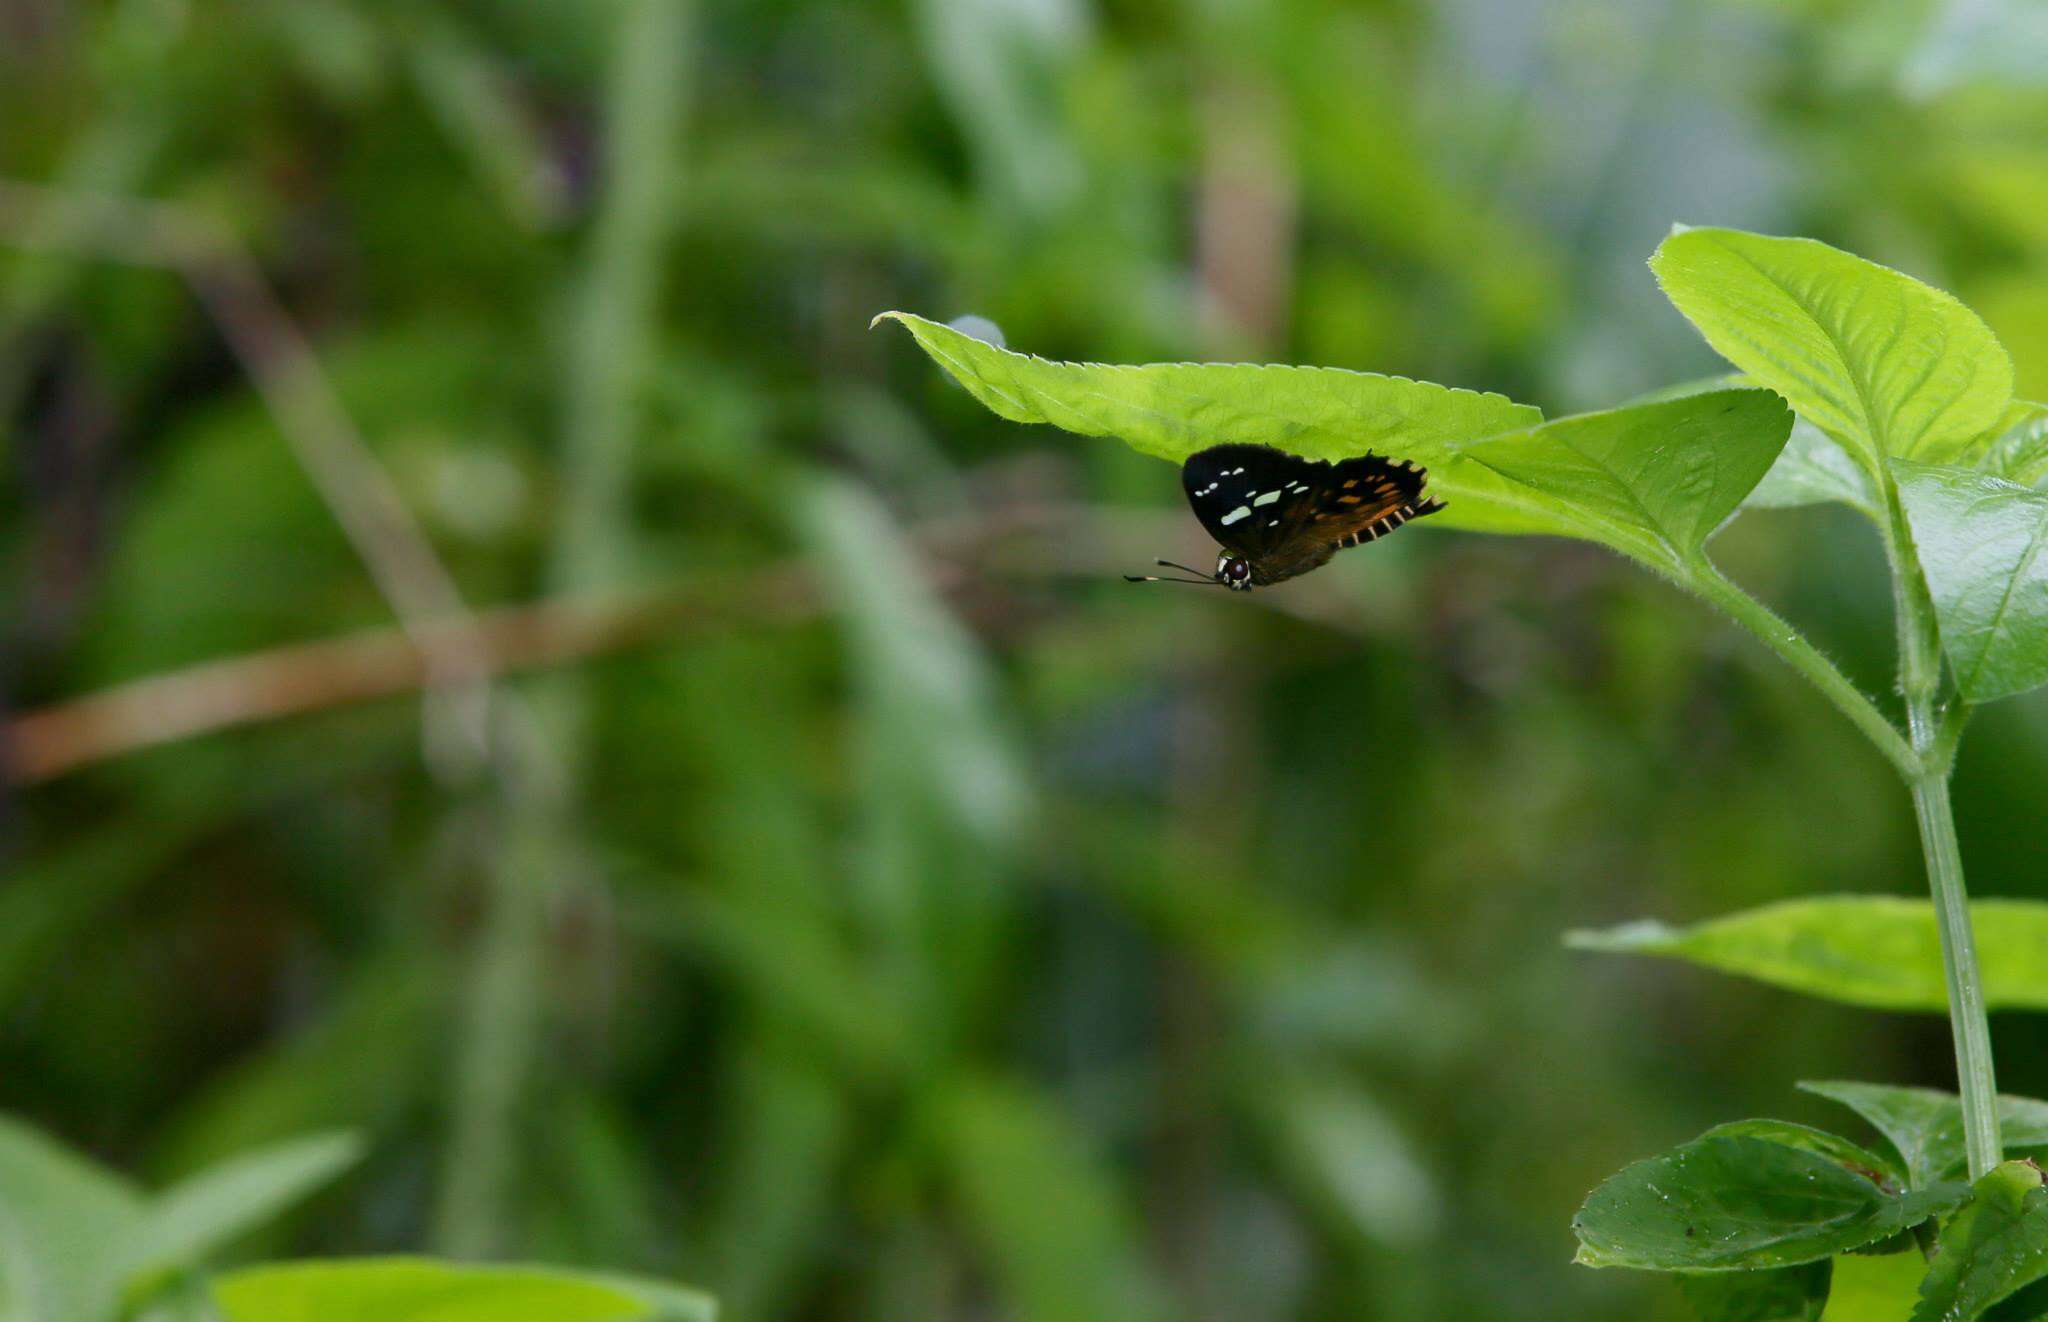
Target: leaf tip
x,y
881,317
1628,937
1660,254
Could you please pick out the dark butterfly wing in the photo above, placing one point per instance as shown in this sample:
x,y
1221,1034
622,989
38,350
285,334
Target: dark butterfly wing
x,y
1251,498
1367,498
1287,515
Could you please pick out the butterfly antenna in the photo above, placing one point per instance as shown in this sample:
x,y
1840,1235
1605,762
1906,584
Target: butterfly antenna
x,y
1199,580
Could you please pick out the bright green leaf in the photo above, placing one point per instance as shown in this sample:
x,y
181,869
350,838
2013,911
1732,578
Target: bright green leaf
x,y
1174,409
1741,1203
1785,1294
1980,540
662,1301
1874,1289
422,1290
1991,1248
1890,366
64,1222
191,1219
1811,470
1652,481
1926,1126
1880,951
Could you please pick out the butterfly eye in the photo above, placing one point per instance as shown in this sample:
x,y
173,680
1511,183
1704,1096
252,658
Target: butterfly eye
x,y
1236,569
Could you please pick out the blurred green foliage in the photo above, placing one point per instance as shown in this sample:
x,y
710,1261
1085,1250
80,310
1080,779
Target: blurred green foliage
x,y
1038,944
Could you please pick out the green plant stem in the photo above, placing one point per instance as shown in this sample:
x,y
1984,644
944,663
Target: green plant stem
x,y
1795,651
1933,735
1954,717
1923,756
1959,960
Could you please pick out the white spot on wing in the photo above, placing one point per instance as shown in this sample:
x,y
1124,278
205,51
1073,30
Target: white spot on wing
x,y
1241,512
1268,498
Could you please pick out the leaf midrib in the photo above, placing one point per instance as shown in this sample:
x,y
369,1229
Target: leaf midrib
x,y
1880,438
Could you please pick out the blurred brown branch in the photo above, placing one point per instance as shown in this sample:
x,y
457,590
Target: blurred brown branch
x,y
1065,541
278,359
291,681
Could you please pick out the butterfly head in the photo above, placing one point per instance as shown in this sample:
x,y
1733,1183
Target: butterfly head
x,y
1234,572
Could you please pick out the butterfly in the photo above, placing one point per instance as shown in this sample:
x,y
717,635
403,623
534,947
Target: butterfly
x,y
1278,515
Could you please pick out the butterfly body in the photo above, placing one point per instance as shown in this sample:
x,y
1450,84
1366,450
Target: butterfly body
x,y
1276,515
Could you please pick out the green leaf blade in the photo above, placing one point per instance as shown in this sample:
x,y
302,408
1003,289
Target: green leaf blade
x,y
209,1210
1925,1126
1172,410
1650,480
1878,951
1891,366
659,1301
2019,453
1867,1289
1982,541
1719,1204
1853,1156
424,1290
63,1222
1993,1247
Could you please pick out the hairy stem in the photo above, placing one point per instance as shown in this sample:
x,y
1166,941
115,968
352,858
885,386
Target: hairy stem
x,y
1923,756
1792,647
1933,733
1949,733
1959,961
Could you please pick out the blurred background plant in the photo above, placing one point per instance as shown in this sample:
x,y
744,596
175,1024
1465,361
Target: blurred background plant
x,y
683,782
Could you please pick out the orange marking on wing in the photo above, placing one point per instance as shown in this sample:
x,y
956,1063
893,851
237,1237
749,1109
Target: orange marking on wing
x,y
1352,522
